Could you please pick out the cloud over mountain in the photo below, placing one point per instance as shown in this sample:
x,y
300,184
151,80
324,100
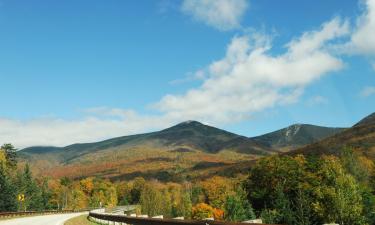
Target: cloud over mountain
x,y
250,79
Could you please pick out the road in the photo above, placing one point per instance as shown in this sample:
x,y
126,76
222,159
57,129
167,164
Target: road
x,y
57,219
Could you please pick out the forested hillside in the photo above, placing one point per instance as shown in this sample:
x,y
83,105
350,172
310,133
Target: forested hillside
x,y
331,181
189,150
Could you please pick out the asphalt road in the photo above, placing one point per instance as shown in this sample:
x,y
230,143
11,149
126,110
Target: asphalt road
x,y
57,219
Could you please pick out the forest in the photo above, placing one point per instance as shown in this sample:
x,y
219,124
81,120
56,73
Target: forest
x,y
279,189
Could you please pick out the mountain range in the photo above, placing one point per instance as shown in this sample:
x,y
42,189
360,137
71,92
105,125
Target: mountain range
x,y
190,150
360,138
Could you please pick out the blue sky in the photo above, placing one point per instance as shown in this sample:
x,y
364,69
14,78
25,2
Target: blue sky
x,y
80,71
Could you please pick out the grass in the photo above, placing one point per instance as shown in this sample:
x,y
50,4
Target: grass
x,y
79,220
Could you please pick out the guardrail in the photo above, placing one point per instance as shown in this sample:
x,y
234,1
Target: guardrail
x,y
104,218
33,213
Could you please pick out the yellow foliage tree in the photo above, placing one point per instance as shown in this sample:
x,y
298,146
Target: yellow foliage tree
x,y
202,211
217,189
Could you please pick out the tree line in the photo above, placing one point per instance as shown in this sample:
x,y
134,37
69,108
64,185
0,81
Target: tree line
x,y
294,190
312,190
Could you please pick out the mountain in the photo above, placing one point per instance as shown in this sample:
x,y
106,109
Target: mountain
x,y
191,148
188,150
369,120
360,137
295,136
190,134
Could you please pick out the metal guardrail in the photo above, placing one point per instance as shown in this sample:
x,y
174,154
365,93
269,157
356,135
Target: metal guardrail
x,y
34,213
153,221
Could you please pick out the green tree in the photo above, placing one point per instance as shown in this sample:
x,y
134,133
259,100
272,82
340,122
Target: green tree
x,y
338,196
283,204
184,208
302,208
271,172
27,186
135,192
167,204
151,200
46,195
269,216
7,192
238,208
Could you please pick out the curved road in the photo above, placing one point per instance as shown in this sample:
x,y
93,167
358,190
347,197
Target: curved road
x,y
57,219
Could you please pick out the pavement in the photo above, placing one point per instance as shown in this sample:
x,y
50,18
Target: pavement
x,y
56,219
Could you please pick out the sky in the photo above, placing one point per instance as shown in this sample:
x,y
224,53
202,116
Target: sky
x,y
87,70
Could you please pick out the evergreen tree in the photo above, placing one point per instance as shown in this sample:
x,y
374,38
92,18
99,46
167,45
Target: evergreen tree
x,y
238,208
28,187
282,204
302,208
8,200
45,195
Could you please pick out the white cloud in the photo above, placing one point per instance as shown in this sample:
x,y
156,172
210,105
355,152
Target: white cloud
x,y
249,79
317,100
98,124
367,91
198,75
222,14
362,39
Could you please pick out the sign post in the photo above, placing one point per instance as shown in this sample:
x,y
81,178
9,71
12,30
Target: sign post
x,y
21,200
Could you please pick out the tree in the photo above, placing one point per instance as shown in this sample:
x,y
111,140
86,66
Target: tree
x,y
7,193
339,197
57,194
283,204
87,185
3,160
197,194
11,155
138,185
166,207
65,183
302,208
184,208
78,198
123,190
151,200
202,211
27,186
268,173
238,208
46,195
304,191
216,190
105,192
360,167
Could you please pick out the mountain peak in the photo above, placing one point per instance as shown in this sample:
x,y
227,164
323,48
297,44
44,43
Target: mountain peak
x,y
187,124
293,130
370,119
296,135
190,122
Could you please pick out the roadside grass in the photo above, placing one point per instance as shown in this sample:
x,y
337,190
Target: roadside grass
x,y
79,220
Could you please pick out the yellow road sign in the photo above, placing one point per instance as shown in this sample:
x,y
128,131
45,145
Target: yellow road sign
x,y
21,197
